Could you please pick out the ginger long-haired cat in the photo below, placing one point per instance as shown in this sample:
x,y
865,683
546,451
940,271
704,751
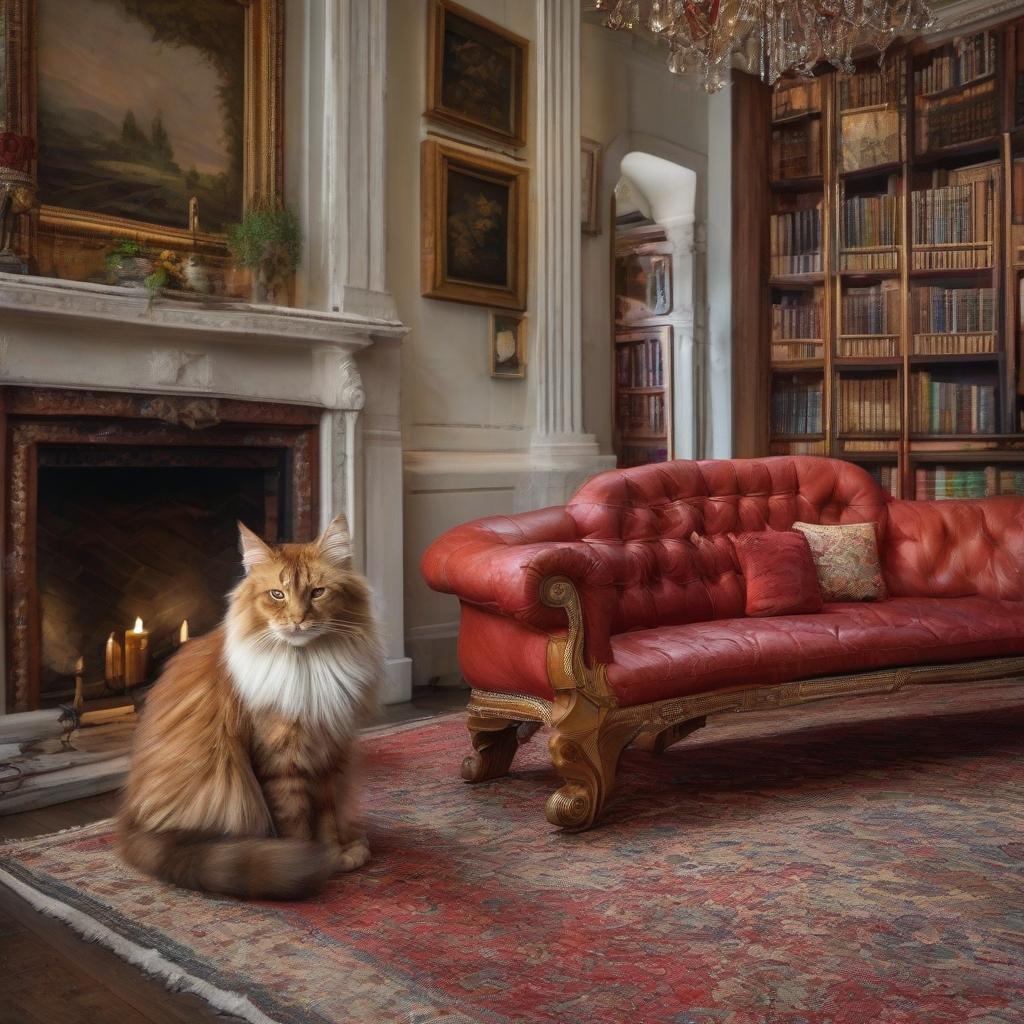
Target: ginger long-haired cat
x,y
242,765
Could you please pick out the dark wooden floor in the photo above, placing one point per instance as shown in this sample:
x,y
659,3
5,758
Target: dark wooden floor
x,y
48,975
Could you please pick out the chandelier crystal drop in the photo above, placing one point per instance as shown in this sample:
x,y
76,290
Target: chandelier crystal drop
x,y
776,36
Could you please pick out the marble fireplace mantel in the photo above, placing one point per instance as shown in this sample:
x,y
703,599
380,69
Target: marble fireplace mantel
x,y
62,334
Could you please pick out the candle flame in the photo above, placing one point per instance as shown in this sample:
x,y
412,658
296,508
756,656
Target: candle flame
x,y
183,632
138,625
80,664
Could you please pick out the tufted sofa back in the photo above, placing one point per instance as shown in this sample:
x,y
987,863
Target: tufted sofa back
x,y
654,511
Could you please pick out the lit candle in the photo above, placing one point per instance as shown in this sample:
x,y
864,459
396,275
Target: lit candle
x,y
136,655
183,632
113,670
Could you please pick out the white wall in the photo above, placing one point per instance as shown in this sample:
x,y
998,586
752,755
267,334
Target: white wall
x,y
466,437
630,102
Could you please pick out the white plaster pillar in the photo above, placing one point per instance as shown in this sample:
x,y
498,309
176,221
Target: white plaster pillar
x,y
361,476
335,136
686,362
562,455
336,122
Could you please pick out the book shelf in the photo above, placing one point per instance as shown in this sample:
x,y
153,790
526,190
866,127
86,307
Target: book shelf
x,y
642,370
894,279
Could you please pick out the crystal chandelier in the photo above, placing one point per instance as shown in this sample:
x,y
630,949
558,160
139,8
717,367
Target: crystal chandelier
x,y
776,35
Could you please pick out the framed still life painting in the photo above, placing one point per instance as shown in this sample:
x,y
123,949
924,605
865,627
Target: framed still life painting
x,y
154,121
476,74
508,352
473,211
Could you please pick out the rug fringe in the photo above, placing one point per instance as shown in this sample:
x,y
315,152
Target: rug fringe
x,y
174,977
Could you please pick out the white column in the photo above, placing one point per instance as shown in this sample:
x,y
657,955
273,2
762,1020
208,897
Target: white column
x,y
562,454
336,122
687,383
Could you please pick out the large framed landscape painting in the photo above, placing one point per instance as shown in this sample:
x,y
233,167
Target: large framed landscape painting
x,y
473,211
155,119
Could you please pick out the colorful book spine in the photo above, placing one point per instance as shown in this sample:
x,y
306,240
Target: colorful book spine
x,y
796,242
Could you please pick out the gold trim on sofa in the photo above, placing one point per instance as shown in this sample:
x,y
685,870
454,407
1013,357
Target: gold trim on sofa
x,y
590,730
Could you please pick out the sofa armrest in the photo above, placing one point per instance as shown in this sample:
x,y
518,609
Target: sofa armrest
x,y
955,548
500,564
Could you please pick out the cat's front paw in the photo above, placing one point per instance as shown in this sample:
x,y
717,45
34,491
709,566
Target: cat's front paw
x,y
352,855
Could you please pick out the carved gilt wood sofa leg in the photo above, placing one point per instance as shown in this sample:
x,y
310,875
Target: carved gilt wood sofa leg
x,y
587,739
495,742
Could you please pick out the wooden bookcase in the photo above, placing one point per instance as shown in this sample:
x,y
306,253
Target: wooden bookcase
x,y
892,285
642,362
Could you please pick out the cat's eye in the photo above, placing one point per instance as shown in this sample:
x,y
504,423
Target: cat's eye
x,y
317,592
277,595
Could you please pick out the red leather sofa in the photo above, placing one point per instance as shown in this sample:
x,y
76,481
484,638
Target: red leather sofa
x,y
604,620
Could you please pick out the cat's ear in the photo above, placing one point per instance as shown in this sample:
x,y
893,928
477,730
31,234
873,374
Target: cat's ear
x,y
335,543
254,551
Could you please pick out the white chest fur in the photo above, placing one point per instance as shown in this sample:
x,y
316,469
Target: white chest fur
x,y
327,682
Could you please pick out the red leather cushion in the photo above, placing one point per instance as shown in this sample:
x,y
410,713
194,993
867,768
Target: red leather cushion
x,y
673,661
779,573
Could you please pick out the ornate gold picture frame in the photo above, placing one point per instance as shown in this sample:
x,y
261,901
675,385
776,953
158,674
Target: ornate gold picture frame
x,y
473,212
476,74
69,240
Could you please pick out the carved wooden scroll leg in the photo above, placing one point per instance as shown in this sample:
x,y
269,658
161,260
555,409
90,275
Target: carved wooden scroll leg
x,y
495,741
587,762
587,740
659,742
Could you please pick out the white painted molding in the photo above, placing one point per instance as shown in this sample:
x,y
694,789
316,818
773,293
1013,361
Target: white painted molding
x,y
241,321
964,13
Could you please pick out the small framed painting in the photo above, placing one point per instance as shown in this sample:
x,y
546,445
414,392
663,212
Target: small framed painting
x,y
508,353
476,74
590,180
474,227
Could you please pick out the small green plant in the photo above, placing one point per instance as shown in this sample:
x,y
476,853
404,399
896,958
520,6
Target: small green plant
x,y
268,241
124,249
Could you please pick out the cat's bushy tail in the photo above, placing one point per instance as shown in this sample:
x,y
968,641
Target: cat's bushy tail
x,y
249,868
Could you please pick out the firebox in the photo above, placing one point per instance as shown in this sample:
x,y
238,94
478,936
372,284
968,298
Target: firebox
x,y
122,507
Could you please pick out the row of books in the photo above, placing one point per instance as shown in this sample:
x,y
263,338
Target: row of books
x,y
796,242
960,209
641,414
641,454
796,150
640,364
869,405
953,344
939,483
796,317
867,348
968,58
872,220
787,351
954,310
871,88
962,117
886,474
796,407
952,407
874,309
796,96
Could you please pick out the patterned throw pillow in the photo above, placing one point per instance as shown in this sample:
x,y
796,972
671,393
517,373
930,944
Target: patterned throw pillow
x,y
846,558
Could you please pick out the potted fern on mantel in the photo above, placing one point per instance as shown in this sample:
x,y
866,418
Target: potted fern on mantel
x,y
268,243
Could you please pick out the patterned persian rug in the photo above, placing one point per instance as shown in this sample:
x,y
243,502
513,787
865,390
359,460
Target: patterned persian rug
x,y
842,863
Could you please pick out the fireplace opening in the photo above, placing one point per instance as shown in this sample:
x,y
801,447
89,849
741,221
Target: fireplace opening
x,y
125,532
